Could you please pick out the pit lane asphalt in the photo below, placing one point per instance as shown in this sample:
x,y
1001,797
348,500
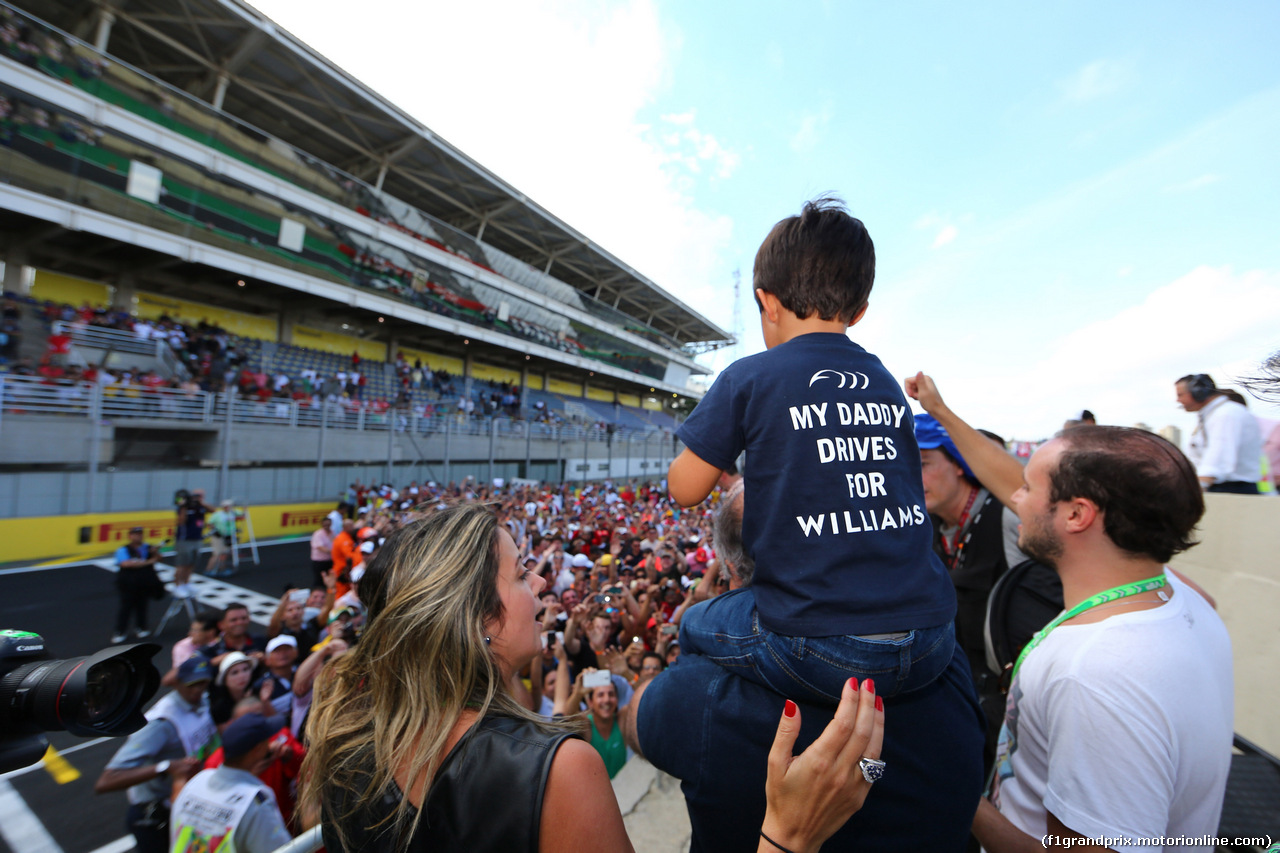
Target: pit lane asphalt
x,y
73,607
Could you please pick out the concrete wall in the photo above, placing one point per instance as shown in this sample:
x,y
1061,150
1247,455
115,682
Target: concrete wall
x,y
1238,563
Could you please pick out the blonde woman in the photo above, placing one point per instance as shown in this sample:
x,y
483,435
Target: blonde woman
x,y
416,742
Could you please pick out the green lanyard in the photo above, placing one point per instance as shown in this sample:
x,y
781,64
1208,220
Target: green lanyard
x,y
1137,588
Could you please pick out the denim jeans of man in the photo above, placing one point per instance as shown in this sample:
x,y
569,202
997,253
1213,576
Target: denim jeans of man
x,y
727,630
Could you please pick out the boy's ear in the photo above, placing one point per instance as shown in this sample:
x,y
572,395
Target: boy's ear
x,y
769,304
862,312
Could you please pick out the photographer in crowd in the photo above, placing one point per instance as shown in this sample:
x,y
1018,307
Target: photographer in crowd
x,y
136,583
178,736
187,539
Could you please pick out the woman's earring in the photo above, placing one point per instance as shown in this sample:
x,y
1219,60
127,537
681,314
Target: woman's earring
x,y
486,641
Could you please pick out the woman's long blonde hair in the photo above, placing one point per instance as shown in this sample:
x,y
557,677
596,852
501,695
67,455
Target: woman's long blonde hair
x,y
422,660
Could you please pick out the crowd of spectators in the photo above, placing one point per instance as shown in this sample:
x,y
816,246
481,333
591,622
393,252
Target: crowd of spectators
x,y
214,359
621,565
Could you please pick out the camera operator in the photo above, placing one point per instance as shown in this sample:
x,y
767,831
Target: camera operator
x,y
222,533
188,536
136,581
173,744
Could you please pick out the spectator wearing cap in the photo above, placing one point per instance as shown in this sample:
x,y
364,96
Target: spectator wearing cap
x,y
179,734
235,679
968,524
136,583
281,661
229,807
281,774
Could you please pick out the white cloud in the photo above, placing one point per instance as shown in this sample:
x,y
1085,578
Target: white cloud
x,y
1123,367
809,134
945,236
694,149
553,104
1095,80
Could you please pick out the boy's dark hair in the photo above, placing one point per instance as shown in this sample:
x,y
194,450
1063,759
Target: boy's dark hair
x,y
821,262
1147,489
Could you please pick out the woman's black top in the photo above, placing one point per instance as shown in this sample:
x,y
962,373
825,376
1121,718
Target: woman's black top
x,y
487,796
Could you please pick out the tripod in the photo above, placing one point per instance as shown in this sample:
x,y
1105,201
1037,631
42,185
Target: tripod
x,y
177,604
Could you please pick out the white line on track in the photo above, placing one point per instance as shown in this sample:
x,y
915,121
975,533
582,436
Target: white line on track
x,y
21,829
120,845
26,569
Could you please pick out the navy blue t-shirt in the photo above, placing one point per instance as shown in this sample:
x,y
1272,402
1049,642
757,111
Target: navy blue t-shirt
x,y
834,512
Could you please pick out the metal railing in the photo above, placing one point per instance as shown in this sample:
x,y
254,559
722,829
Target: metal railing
x,y
35,395
122,341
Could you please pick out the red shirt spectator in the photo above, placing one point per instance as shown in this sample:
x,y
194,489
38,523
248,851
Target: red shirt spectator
x,y
280,775
59,344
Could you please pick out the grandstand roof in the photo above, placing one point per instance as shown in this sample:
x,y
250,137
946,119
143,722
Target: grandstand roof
x,y
288,90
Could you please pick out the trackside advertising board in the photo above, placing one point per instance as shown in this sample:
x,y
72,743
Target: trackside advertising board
x,y
65,537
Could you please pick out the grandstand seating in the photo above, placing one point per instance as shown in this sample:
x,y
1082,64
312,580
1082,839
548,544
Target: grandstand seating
x,y
98,159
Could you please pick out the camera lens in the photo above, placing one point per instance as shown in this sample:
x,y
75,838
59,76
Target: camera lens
x,y
100,694
106,689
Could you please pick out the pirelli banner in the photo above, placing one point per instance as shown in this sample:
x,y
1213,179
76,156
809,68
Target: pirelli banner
x,y
57,538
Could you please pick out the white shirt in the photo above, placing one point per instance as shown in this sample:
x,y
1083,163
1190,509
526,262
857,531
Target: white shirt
x,y
1122,727
1227,445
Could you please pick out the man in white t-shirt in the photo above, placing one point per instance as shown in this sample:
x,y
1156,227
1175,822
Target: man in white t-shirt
x,y
1226,446
1118,726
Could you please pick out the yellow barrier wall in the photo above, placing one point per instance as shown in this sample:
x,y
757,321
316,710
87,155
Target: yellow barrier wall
x,y
434,360
559,386
489,372
61,537
632,400
653,406
56,287
152,306
604,395
325,341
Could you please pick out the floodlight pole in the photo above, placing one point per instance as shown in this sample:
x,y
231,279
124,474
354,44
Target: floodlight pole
x,y
446,450
493,436
324,421
224,473
95,444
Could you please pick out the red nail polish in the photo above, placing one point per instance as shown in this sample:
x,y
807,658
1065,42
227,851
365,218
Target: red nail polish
x,y
789,710
853,684
869,685
879,704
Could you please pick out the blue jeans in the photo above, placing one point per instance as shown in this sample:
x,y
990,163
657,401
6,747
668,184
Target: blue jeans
x,y
727,630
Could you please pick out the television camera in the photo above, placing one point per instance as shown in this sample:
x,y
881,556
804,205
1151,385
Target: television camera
x,y
92,696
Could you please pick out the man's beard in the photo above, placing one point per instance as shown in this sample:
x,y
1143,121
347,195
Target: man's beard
x,y
1039,542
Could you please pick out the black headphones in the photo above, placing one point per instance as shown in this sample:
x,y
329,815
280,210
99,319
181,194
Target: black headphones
x,y
1201,387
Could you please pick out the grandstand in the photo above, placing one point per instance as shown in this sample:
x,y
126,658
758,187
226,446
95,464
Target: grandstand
x,y
209,168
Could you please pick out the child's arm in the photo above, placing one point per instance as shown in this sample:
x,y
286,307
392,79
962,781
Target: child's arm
x,y
690,479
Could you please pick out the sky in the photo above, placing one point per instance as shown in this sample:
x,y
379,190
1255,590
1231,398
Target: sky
x,y
1072,204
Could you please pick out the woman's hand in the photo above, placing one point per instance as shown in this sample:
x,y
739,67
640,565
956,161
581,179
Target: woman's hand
x,y
811,795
